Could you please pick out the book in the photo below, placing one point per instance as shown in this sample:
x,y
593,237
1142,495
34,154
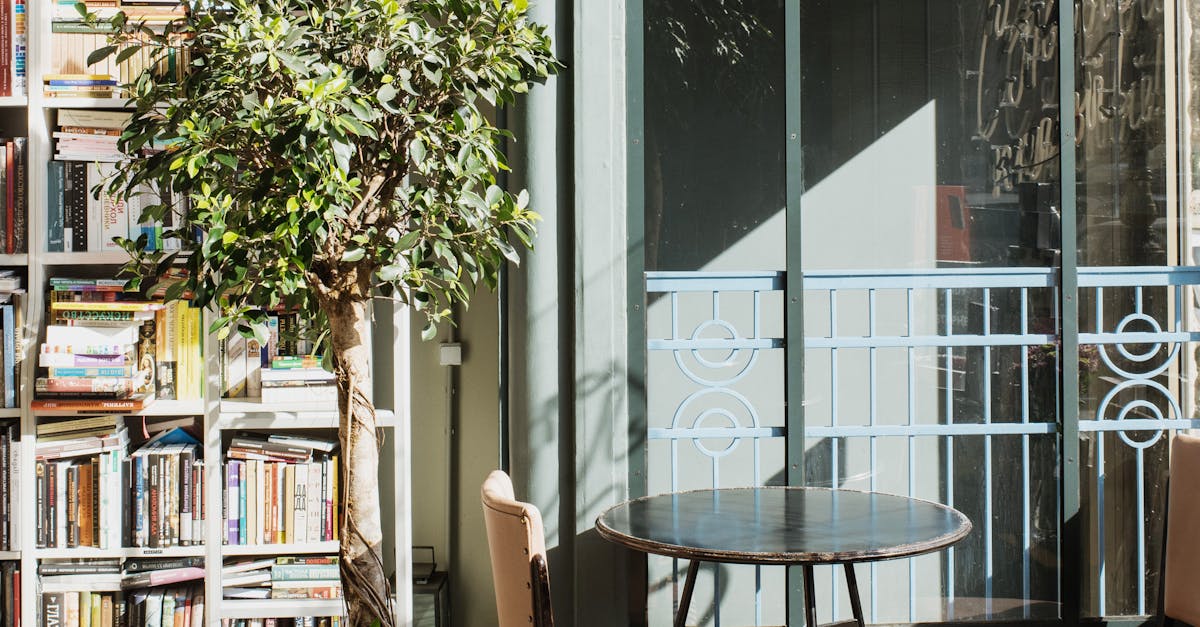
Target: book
x,y
161,577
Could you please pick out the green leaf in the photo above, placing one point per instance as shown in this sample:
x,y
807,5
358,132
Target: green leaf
x,y
129,51
226,159
353,255
375,58
429,331
416,150
100,54
386,93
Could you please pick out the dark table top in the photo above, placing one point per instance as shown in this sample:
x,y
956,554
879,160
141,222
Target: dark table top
x,y
782,525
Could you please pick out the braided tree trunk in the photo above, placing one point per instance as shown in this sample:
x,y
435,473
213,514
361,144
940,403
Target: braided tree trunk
x,y
368,595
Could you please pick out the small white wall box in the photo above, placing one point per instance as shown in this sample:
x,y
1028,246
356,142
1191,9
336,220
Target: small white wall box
x,y
451,354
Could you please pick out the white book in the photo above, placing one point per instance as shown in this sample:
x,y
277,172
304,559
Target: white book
x,y
60,495
261,508
233,366
197,618
112,213
247,566
254,370
79,336
113,120
246,579
316,510
14,490
315,394
154,604
253,503
300,516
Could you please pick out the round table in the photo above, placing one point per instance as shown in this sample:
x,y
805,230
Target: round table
x,y
782,526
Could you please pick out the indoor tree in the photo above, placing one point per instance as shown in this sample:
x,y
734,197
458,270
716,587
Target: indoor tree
x,y
316,154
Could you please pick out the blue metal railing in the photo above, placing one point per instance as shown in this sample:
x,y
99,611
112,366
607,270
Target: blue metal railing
x,y
925,311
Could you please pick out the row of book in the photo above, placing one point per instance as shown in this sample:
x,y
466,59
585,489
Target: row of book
x,y
10,594
307,577
82,215
280,489
79,609
10,462
72,40
13,48
14,195
78,480
89,494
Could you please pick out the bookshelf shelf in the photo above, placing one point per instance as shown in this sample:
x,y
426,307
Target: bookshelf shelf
x,y
252,414
12,412
280,608
14,101
10,555
78,259
85,103
122,552
308,548
14,260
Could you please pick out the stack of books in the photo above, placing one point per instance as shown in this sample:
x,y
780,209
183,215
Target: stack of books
x,y
282,370
280,490
99,350
72,40
307,577
78,477
166,483
10,481
89,135
10,594
86,361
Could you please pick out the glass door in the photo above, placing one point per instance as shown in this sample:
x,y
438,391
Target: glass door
x,y
869,264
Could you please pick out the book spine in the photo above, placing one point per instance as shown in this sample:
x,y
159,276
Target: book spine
x,y
242,528
8,320
152,502
231,500
6,48
20,47
77,207
10,197
5,489
21,196
72,503
185,496
40,476
56,175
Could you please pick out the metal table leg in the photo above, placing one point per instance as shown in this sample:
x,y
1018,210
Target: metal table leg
x,y
852,588
685,600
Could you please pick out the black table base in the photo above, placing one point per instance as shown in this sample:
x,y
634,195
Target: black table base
x,y
810,596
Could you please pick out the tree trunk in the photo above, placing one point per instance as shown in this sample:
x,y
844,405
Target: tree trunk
x,y
368,595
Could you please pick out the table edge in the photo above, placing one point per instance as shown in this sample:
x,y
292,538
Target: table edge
x,y
737,557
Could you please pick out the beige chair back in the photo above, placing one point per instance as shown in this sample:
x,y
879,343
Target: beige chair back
x,y
517,544
1181,597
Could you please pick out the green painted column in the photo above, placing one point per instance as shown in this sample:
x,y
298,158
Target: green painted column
x,y
539,301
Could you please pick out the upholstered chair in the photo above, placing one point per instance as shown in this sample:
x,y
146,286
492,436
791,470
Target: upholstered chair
x,y
517,544
1181,572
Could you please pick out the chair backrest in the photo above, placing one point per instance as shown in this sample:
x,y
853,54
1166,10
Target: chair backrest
x,y
1181,600
516,541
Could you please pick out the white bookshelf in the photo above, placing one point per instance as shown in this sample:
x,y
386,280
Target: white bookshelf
x,y
218,415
